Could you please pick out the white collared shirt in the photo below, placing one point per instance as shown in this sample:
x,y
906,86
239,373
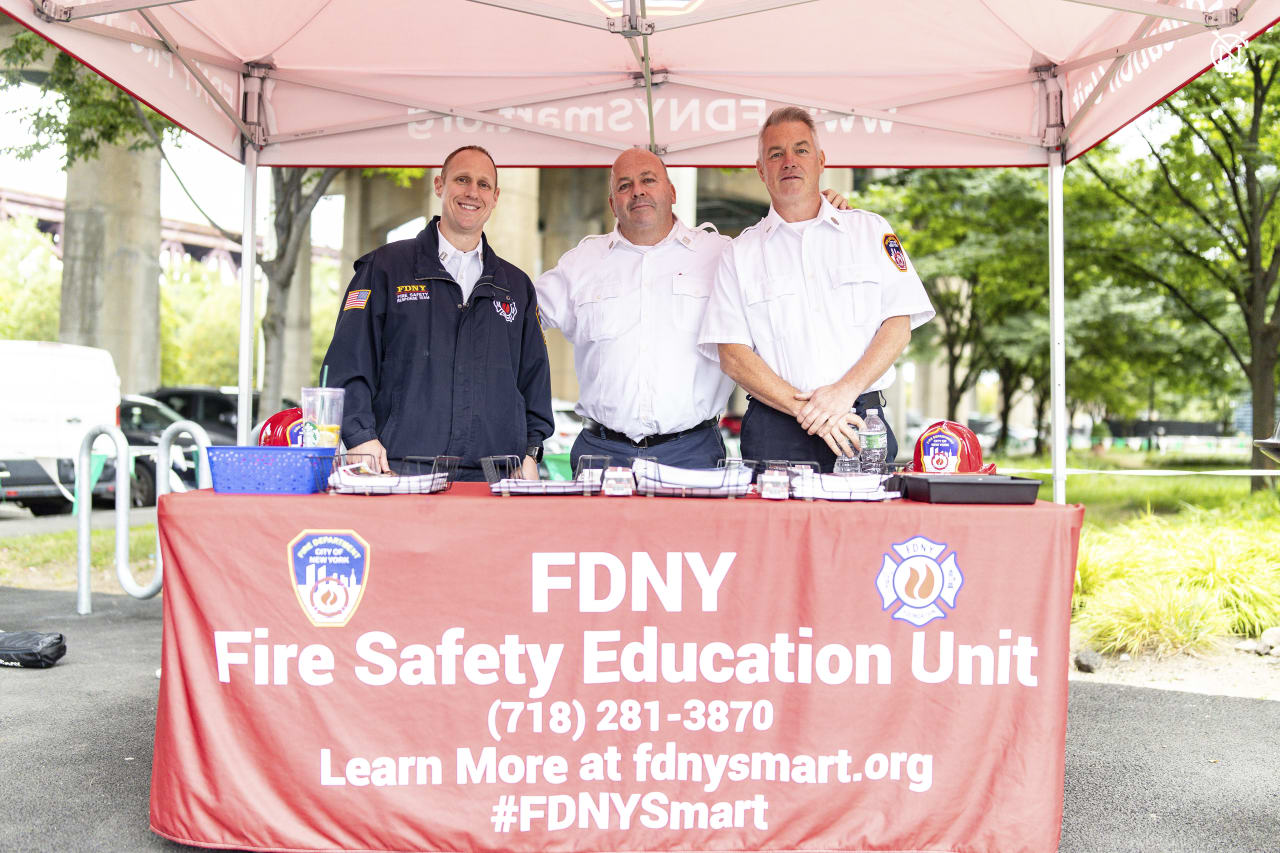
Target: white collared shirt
x,y
809,300
632,314
465,267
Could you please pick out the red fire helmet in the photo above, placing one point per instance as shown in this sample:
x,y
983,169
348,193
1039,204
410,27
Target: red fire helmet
x,y
947,447
283,429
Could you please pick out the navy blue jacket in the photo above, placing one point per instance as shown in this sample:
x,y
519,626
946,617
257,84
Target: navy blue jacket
x,y
427,375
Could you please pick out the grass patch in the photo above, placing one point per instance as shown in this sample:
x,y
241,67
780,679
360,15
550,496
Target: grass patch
x,y
48,560
1112,500
1152,615
1145,584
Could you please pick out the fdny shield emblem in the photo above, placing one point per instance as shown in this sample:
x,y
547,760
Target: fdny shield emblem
x,y
939,450
894,250
330,569
506,309
920,581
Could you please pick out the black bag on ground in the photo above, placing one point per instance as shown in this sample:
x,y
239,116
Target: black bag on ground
x,y
31,649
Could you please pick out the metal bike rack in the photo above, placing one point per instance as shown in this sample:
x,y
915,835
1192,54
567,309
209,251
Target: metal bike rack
x,y
203,478
84,512
84,600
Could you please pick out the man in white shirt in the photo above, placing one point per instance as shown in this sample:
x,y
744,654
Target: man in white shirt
x,y
631,303
811,308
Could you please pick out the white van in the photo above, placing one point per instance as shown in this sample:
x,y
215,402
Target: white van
x,y
50,395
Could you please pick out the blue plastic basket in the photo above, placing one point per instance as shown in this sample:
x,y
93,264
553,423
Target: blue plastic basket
x,y
270,470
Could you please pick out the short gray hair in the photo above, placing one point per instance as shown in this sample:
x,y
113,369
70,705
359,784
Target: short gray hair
x,y
786,115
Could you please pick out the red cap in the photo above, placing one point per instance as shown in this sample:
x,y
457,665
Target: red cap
x,y
947,447
283,429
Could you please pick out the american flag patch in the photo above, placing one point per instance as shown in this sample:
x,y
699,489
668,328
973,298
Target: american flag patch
x,y
356,299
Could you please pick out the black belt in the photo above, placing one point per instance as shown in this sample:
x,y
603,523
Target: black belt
x,y
599,430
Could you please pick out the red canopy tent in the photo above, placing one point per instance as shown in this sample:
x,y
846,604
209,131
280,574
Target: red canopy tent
x,y
572,82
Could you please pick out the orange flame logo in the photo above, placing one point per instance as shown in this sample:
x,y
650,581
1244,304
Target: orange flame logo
x,y
920,585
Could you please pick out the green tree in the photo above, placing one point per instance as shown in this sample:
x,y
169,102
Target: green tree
x,y
296,191
199,326
88,112
84,111
1204,229
30,282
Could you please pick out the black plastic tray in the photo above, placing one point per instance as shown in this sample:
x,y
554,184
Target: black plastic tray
x,y
969,488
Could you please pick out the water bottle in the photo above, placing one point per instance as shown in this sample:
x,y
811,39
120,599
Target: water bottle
x,y
875,443
848,464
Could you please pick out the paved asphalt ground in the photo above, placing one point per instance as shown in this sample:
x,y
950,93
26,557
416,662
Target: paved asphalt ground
x,y
1147,770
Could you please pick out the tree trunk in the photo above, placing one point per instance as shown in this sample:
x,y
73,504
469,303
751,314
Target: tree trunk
x,y
292,218
953,387
273,344
1041,406
1262,382
1008,389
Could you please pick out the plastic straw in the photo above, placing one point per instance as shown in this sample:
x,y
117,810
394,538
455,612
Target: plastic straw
x,y
324,375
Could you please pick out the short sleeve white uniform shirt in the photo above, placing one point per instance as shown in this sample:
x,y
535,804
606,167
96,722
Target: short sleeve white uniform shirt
x,y
632,314
809,300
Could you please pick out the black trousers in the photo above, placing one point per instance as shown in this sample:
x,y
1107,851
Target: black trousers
x,y
769,434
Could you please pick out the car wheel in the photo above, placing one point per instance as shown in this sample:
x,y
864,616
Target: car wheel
x,y
52,506
142,490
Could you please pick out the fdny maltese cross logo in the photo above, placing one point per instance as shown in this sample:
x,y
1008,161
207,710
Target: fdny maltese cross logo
x,y
919,581
506,309
330,569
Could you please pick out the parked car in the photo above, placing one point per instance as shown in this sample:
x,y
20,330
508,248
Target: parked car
x,y
26,483
214,409
52,394
143,420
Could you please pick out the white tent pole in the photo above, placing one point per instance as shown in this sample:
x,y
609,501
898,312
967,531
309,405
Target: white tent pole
x,y
248,262
1057,328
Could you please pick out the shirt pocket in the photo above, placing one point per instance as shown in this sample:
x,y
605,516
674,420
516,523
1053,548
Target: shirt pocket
x,y
690,294
773,307
607,310
856,292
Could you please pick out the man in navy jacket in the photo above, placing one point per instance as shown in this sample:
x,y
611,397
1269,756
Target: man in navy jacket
x,y
438,343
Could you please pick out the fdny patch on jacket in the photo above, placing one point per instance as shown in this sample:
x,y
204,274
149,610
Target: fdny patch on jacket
x,y
506,309
412,293
893,249
356,299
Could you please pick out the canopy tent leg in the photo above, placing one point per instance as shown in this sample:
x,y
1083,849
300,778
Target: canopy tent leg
x,y
1057,329
248,260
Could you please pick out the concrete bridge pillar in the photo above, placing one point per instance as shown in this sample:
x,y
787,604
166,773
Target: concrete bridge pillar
x,y
572,204
111,261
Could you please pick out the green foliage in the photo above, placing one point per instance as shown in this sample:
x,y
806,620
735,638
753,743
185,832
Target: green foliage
x,y
1197,564
30,282
1154,615
199,326
1196,229
87,111
402,178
